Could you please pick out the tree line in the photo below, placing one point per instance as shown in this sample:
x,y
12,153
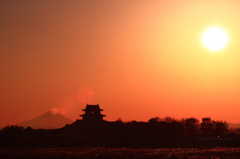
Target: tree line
x,y
155,132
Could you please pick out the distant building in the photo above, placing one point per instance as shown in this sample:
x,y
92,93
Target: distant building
x,y
91,118
92,113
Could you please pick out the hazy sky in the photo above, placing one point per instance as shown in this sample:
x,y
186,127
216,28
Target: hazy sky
x,y
137,59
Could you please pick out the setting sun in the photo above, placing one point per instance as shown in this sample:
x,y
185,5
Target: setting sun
x,y
215,38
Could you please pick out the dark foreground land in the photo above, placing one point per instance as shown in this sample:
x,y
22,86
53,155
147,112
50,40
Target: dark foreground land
x,y
157,138
123,153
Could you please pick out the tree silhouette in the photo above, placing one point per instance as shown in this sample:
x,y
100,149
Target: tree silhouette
x,y
169,119
207,127
191,126
12,131
119,120
220,128
154,120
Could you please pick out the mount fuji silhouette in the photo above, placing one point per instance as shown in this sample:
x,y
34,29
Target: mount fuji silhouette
x,y
47,121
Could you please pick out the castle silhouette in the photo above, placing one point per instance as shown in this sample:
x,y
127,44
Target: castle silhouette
x,y
92,113
91,118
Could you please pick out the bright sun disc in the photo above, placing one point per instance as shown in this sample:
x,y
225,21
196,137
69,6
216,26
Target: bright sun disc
x,y
215,38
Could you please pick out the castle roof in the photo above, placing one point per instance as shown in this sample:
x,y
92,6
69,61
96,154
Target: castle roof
x,y
92,108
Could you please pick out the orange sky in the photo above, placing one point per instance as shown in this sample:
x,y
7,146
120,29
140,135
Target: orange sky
x,y
137,59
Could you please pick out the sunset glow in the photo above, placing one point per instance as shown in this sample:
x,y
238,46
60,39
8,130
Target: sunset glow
x,y
136,59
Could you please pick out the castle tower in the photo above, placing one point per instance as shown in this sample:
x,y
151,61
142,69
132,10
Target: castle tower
x,y
92,113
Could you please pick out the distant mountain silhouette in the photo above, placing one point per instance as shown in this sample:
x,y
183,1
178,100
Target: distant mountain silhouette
x,y
47,121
